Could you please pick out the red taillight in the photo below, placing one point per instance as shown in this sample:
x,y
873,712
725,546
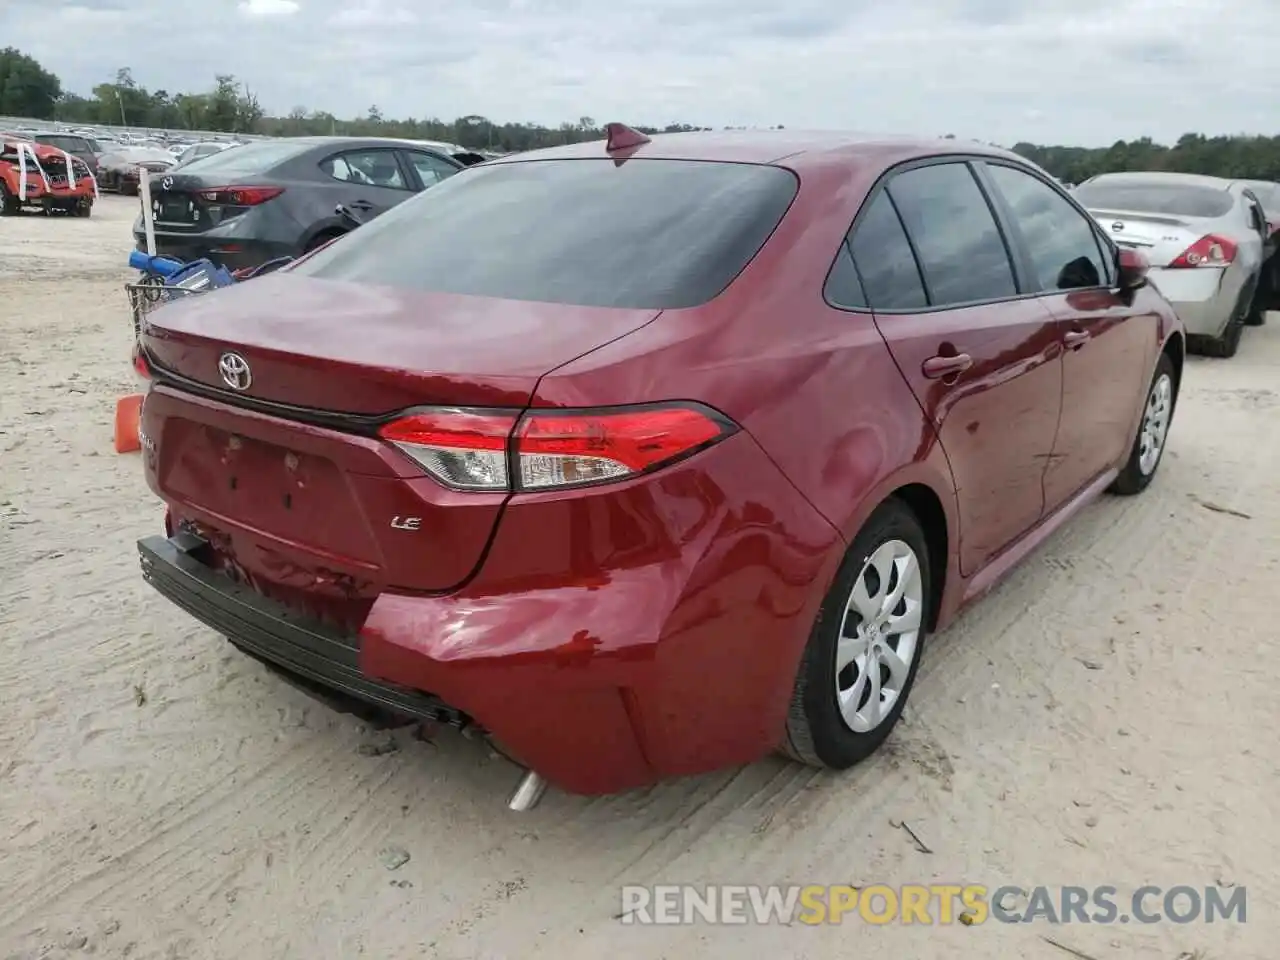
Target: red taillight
x,y
552,449
240,196
464,449
140,365
1208,251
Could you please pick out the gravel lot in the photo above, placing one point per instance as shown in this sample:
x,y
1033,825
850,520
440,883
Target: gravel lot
x,y
1107,716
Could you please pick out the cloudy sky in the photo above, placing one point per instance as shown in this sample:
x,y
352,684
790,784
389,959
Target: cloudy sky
x,y
1049,71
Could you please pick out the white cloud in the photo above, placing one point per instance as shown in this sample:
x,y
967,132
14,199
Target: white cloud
x,y
1068,71
263,9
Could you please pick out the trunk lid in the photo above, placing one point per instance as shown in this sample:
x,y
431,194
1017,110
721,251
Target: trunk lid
x,y
1160,236
362,349
190,202
306,507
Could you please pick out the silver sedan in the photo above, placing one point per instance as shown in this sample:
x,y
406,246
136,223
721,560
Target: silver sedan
x,y
1205,238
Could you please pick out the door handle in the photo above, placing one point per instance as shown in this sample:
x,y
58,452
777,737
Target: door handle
x,y
1075,339
936,368
362,205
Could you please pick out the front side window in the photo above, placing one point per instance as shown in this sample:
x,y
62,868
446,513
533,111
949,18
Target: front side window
x,y
955,235
1062,243
890,277
431,170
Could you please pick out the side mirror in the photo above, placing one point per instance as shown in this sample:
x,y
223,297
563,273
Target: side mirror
x,y
1132,267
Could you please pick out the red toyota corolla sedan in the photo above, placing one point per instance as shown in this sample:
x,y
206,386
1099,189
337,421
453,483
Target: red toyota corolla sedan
x,y
649,457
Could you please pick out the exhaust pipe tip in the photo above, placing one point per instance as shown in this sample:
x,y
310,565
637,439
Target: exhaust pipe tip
x,y
528,792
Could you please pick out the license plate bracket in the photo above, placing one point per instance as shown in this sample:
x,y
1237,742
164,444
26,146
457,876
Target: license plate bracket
x,y
175,211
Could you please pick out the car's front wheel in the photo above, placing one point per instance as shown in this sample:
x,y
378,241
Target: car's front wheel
x,y
9,204
861,658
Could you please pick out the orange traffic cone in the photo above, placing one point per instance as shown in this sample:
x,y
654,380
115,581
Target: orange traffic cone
x,y
128,415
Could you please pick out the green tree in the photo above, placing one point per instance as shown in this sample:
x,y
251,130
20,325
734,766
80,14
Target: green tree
x,y
26,88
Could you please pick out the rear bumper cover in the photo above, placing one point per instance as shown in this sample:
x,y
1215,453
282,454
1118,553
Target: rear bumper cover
x,y
228,251
268,630
1198,297
649,630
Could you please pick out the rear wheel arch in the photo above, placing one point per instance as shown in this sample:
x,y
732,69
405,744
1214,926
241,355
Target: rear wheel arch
x,y
1176,349
921,492
321,237
929,511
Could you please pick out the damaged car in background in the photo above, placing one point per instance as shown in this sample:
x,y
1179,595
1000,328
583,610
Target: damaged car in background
x,y
121,170
35,175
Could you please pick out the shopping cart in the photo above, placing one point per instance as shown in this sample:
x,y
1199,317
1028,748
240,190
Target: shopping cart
x,y
163,280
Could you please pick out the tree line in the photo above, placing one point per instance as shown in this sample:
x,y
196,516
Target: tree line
x,y
27,89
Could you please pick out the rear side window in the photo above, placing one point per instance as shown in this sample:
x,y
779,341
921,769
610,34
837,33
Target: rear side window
x,y
884,259
643,234
955,235
1268,195
1061,242
368,168
1153,196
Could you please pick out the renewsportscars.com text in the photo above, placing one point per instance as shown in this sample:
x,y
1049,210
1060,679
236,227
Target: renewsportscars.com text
x,y
930,904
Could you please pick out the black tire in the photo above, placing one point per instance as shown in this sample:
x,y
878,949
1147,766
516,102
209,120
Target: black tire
x,y
817,733
1134,478
1223,347
83,209
320,239
1255,315
9,205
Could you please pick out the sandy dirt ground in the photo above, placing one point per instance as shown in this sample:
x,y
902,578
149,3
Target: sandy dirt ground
x,y
1107,716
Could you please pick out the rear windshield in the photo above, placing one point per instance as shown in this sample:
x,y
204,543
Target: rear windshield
x,y
1150,196
644,234
246,160
64,142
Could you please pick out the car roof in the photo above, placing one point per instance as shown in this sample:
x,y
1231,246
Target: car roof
x,y
353,141
797,148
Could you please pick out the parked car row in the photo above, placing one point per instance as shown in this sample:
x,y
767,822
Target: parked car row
x,y
643,457
1212,243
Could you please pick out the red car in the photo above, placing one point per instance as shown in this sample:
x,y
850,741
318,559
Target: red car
x,y
651,457
49,184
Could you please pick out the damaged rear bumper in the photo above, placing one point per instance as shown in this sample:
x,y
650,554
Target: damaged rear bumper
x,y
270,631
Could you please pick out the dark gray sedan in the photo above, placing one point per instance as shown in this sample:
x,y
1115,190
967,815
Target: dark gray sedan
x,y
276,198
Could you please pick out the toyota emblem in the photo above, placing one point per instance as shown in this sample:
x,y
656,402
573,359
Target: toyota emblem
x,y
235,371
1117,227
167,182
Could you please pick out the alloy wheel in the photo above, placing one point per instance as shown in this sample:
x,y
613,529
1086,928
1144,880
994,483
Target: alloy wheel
x,y
1155,424
879,636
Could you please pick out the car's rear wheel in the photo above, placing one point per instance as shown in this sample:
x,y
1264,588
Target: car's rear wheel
x,y
1225,345
1153,431
318,241
862,656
